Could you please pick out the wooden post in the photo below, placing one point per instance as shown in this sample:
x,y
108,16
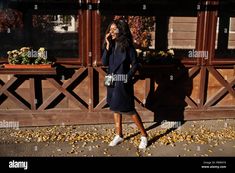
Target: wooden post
x,y
32,92
203,86
96,40
212,26
201,30
91,89
88,31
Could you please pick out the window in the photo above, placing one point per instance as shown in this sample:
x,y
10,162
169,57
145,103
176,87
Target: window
x,y
142,29
182,35
58,33
169,25
50,24
182,32
160,32
231,38
225,39
225,33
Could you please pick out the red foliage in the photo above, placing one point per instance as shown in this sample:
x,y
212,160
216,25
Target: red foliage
x,y
140,27
10,18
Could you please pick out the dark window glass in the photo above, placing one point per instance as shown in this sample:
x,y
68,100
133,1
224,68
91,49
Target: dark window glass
x,y
153,34
225,38
35,24
142,29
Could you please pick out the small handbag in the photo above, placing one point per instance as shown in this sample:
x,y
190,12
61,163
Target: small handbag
x,y
109,80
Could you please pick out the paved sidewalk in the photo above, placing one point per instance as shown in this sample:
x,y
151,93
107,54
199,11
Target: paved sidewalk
x,y
193,138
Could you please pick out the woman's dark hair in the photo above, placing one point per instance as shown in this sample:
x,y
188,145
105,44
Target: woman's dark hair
x,y
124,38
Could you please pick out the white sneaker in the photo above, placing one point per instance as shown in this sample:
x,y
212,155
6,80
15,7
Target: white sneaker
x,y
116,140
143,142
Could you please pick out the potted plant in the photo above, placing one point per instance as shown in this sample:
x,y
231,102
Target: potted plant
x,y
28,58
155,57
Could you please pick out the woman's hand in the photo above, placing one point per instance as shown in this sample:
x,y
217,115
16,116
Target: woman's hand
x,y
107,40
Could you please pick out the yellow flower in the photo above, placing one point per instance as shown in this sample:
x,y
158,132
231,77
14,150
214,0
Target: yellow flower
x,y
15,55
25,49
15,52
162,53
171,52
41,49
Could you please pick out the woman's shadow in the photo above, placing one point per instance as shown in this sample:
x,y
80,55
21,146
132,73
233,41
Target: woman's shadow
x,y
167,101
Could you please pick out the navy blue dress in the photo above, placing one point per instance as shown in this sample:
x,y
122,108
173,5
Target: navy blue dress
x,y
120,98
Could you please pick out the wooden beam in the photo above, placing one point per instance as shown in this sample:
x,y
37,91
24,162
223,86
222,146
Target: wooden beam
x,y
96,87
101,104
7,84
14,99
100,70
191,102
88,35
219,95
54,95
28,71
96,34
221,80
80,37
201,32
91,88
32,93
3,90
203,85
63,90
193,71
211,32
75,116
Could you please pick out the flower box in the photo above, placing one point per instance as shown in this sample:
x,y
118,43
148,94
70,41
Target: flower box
x,y
28,56
27,66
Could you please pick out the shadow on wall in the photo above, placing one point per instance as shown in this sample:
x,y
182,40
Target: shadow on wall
x,y
167,101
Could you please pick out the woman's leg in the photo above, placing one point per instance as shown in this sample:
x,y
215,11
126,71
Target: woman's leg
x,y
144,141
136,118
118,128
118,123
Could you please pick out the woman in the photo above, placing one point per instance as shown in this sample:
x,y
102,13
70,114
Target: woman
x,y
119,54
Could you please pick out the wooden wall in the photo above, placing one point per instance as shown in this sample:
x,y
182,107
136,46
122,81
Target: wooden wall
x,y
197,89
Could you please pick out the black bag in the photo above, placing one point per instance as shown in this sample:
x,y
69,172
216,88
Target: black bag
x,y
109,80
